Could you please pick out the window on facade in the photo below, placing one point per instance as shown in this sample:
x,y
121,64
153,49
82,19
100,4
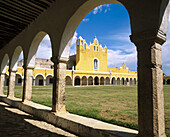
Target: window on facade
x,y
81,42
96,42
95,64
85,46
51,80
94,48
19,80
97,48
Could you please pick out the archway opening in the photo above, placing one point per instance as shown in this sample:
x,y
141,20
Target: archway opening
x,y
96,81
168,81
49,80
39,80
131,81
84,81
90,80
118,81
122,81
113,81
102,81
107,81
68,81
77,81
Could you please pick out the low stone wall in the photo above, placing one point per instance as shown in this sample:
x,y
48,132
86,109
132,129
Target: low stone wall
x,y
82,126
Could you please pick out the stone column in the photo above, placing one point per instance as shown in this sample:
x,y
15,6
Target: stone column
x,y
104,81
73,76
115,82
28,79
22,82
81,81
2,82
11,86
33,82
99,82
165,81
44,84
93,82
58,99
150,83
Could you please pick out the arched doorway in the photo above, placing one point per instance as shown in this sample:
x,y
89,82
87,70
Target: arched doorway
x,y
118,81
122,81
168,81
131,81
49,80
77,81
107,81
68,81
84,80
39,80
6,80
113,81
96,81
102,81
134,81
18,80
127,81
90,80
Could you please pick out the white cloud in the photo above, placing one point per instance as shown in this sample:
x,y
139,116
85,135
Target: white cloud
x,y
99,9
117,57
73,45
86,20
44,50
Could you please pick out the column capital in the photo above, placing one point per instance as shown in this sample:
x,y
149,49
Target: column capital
x,y
154,35
55,59
10,70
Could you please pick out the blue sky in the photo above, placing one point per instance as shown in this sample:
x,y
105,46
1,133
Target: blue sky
x,y
111,25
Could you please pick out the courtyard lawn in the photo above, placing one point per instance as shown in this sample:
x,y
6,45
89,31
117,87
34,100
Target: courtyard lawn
x,y
112,104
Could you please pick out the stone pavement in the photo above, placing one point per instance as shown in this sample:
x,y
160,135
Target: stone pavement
x,y
16,123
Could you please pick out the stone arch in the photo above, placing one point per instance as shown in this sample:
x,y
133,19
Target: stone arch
x,y
49,79
90,80
76,19
84,80
4,63
107,81
131,81
68,80
134,81
18,79
113,81
101,80
39,79
122,81
127,81
77,81
168,81
118,81
96,80
34,47
14,60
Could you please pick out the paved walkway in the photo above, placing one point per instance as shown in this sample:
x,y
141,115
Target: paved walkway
x,y
16,123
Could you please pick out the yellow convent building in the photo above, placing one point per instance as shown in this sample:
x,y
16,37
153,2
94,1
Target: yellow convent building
x,y
87,67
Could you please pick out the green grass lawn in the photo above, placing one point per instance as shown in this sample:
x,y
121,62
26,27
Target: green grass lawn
x,y
112,104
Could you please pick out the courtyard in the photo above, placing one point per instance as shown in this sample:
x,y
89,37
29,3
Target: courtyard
x,y
111,104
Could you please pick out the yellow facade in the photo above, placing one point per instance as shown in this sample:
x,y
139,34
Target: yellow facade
x,y
91,63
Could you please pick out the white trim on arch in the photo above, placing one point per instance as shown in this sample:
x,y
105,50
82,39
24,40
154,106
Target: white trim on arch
x,y
19,75
84,76
40,75
49,75
77,76
69,76
90,76
7,74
